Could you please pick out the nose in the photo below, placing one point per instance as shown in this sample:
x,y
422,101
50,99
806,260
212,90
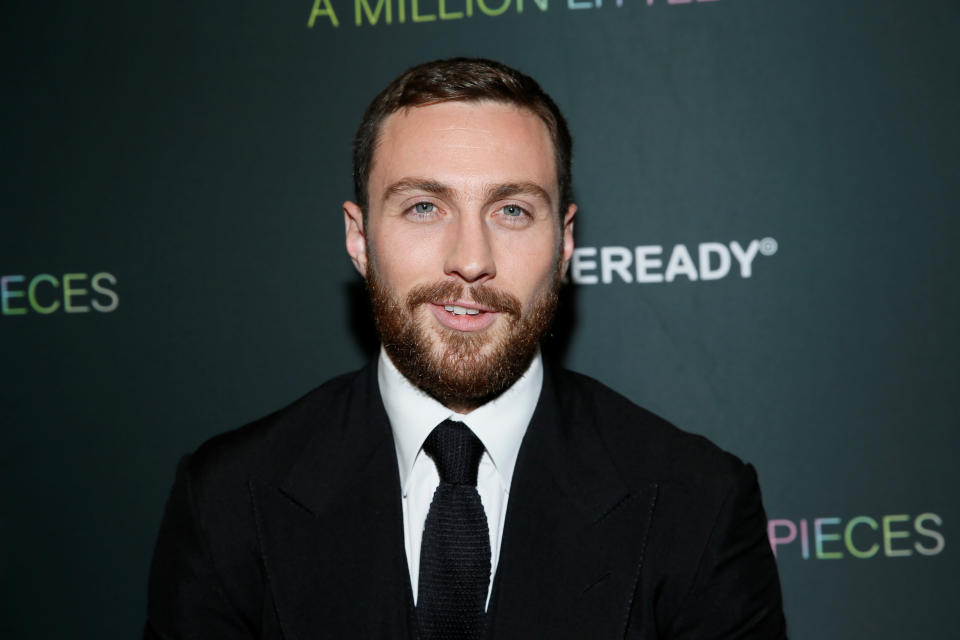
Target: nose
x,y
471,253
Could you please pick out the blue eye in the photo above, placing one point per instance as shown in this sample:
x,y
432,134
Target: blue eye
x,y
424,207
512,211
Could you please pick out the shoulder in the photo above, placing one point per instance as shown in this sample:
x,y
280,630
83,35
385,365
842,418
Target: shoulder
x,y
708,559
266,448
644,446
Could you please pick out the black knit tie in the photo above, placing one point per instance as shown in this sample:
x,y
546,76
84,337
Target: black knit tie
x,y
455,552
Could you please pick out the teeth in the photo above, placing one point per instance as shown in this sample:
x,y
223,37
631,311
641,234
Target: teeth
x,y
459,311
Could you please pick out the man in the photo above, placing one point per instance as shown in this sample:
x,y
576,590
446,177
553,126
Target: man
x,y
460,487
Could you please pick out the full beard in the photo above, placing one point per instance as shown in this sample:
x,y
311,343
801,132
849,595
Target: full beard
x,y
461,370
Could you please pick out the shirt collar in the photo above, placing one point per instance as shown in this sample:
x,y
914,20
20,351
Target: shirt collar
x,y
500,424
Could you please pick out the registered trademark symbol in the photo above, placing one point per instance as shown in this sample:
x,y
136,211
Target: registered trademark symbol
x,y
768,246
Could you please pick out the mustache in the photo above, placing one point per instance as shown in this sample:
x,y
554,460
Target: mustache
x,y
444,292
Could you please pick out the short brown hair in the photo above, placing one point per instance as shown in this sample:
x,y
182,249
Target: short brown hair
x,y
467,80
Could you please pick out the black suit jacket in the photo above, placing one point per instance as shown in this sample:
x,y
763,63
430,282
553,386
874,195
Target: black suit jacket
x,y
618,526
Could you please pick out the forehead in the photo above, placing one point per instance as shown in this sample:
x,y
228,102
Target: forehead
x,y
464,143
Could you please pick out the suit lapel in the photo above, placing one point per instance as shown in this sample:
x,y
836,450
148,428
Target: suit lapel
x,y
574,533
332,532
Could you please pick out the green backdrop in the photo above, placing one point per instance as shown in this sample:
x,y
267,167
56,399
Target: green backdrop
x,y
767,234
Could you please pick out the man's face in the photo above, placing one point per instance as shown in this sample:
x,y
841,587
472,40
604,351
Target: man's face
x,y
463,249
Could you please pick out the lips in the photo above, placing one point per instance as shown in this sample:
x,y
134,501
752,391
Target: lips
x,y
463,308
463,316
469,307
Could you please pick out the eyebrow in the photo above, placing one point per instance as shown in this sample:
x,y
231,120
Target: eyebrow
x,y
418,184
493,192
501,191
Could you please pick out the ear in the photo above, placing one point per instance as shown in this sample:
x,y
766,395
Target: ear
x,y
356,236
566,240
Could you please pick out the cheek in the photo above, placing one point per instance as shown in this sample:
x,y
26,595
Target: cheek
x,y
528,267
403,260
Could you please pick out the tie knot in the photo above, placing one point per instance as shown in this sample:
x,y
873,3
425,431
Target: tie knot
x,y
456,451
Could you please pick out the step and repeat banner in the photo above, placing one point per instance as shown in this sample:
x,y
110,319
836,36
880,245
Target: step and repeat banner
x,y
766,255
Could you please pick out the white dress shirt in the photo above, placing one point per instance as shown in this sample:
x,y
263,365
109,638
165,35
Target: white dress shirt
x,y
500,425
